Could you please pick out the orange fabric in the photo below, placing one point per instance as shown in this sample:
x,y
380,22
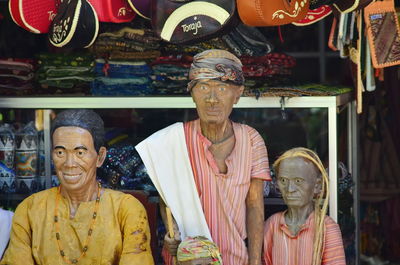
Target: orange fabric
x,y
282,248
271,12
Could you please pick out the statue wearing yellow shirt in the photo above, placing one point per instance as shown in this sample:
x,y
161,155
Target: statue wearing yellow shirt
x,y
79,222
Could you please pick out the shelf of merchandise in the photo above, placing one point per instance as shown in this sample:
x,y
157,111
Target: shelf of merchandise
x,y
330,102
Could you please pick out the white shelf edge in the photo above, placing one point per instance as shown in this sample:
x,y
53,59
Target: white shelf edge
x,y
163,102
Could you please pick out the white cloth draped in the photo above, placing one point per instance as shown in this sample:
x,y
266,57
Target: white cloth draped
x,y
166,158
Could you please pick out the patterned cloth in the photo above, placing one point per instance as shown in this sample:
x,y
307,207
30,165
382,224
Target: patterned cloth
x,y
216,64
281,247
223,196
121,234
198,247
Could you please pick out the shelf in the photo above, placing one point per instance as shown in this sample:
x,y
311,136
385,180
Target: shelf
x,y
165,102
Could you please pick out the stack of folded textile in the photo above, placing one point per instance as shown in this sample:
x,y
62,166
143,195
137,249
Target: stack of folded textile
x,y
192,49
123,65
171,74
262,72
127,44
16,77
298,90
121,78
65,73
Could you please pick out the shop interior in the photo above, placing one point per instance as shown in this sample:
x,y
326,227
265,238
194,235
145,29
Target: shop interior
x,y
309,97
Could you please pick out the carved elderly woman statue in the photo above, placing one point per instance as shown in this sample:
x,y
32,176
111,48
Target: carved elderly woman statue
x,y
210,172
79,222
302,235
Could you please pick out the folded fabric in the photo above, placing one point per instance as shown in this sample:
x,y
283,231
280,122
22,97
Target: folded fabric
x,y
146,55
61,71
122,69
55,59
166,158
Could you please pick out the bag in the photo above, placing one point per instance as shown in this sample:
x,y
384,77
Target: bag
x,y
314,15
383,33
347,6
318,3
272,12
75,26
141,7
245,40
34,16
190,21
116,11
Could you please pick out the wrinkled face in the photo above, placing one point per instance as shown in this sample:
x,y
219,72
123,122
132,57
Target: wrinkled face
x,y
215,99
75,157
202,261
298,181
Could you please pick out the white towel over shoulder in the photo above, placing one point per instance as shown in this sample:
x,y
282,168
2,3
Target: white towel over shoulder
x,y
166,158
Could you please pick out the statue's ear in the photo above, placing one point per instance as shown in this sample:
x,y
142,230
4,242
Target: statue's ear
x,y
318,186
101,156
239,92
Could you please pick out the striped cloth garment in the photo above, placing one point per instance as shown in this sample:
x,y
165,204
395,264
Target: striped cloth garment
x,y
223,196
282,248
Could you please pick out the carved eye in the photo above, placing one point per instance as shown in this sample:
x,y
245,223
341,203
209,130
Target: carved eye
x,y
59,153
283,180
299,181
80,153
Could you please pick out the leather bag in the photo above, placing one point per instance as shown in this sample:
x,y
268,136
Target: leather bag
x,y
272,12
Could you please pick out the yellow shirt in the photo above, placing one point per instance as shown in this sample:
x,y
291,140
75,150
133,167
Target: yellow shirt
x,y
120,236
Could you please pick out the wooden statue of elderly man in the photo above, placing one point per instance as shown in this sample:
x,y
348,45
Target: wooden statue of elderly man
x,y
302,235
79,222
210,172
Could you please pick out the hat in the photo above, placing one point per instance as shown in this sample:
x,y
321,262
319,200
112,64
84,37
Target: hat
x,y
75,26
216,64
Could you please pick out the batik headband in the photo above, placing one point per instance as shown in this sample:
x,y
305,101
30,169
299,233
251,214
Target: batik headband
x,y
198,247
216,64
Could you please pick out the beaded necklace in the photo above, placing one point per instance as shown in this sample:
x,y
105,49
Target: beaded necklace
x,y
90,231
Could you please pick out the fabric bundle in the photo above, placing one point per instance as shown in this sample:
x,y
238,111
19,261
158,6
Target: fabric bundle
x,y
63,73
118,78
297,90
16,76
171,74
128,43
271,70
199,247
216,43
